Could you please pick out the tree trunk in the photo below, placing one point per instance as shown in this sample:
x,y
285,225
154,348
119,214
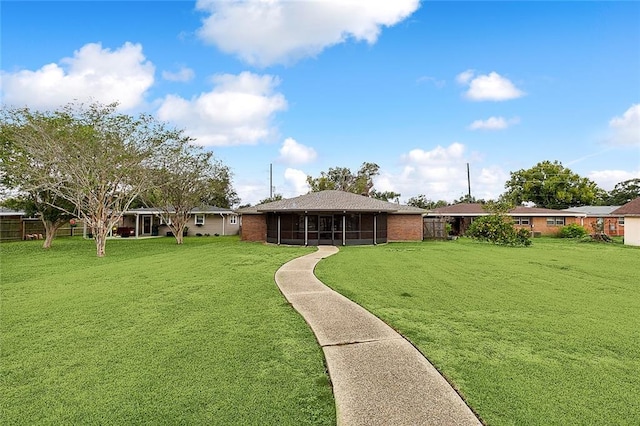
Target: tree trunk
x,y
50,229
101,242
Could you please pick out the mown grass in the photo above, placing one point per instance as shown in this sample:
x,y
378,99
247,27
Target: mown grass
x,y
545,335
155,333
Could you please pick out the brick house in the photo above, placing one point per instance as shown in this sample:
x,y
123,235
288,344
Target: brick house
x,y
330,218
539,220
631,214
601,219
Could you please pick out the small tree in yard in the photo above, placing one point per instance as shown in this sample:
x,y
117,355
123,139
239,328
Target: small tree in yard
x,y
91,156
185,178
42,204
498,228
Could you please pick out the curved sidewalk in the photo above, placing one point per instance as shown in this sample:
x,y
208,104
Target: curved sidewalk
x,y
378,377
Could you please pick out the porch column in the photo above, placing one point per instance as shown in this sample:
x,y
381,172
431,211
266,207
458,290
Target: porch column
x,y
222,216
344,229
137,220
278,229
375,229
306,230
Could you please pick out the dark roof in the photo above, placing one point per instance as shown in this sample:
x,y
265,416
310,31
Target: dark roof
x,y
475,209
331,201
199,210
632,208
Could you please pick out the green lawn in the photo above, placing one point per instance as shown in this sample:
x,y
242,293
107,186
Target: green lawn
x,y
155,333
546,335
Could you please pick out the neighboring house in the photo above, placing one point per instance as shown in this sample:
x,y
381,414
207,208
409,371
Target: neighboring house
x,y
631,214
540,221
209,220
601,219
330,218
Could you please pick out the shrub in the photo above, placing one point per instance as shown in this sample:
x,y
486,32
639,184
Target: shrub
x,y
498,229
572,231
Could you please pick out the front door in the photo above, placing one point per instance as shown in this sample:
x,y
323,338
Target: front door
x,y
146,225
325,228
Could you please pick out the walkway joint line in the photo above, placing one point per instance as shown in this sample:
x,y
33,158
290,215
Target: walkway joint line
x,y
378,377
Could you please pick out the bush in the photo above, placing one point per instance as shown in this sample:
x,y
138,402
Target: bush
x,y
573,231
498,229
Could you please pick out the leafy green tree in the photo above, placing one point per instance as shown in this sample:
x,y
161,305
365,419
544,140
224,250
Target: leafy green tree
x,y
89,155
624,192
550,185
342,179
498,228
421,201
385,195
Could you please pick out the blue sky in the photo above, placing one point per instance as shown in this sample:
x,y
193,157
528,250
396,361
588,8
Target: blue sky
x,y
420,88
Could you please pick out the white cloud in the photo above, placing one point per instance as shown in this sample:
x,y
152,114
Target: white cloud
x,y
296,183
293,152
93,73
465,76
493,123
607,179
441,174
265,32
238,110
626,129
183,74
491,87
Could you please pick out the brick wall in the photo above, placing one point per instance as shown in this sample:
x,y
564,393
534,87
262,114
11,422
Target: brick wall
x,y
254,227
540,225
404,227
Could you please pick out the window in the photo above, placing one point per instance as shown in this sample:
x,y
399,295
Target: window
x,y
199,220
621,221
162,221
555,221
233,219
521,220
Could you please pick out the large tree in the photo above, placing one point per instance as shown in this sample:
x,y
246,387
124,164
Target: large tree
x,y
92,156
187,177
624,192
421,201
550,185
342,179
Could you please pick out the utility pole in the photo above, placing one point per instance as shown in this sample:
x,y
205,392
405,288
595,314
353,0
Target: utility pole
x,y
469,182
270,181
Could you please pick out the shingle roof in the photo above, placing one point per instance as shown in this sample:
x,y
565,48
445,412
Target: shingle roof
x,y
331,201
475,209
203,209
593,210
632,208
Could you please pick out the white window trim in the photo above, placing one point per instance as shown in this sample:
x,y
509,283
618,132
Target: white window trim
x,y
621,221
195,219
233,219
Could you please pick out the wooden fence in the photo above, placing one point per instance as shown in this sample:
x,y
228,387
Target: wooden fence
x,y
434,228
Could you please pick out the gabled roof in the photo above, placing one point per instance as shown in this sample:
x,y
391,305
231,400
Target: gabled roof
x,y
197,210
593,210
475,209
632,208
331,200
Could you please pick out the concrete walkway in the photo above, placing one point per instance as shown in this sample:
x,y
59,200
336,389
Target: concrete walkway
x,y
378,377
